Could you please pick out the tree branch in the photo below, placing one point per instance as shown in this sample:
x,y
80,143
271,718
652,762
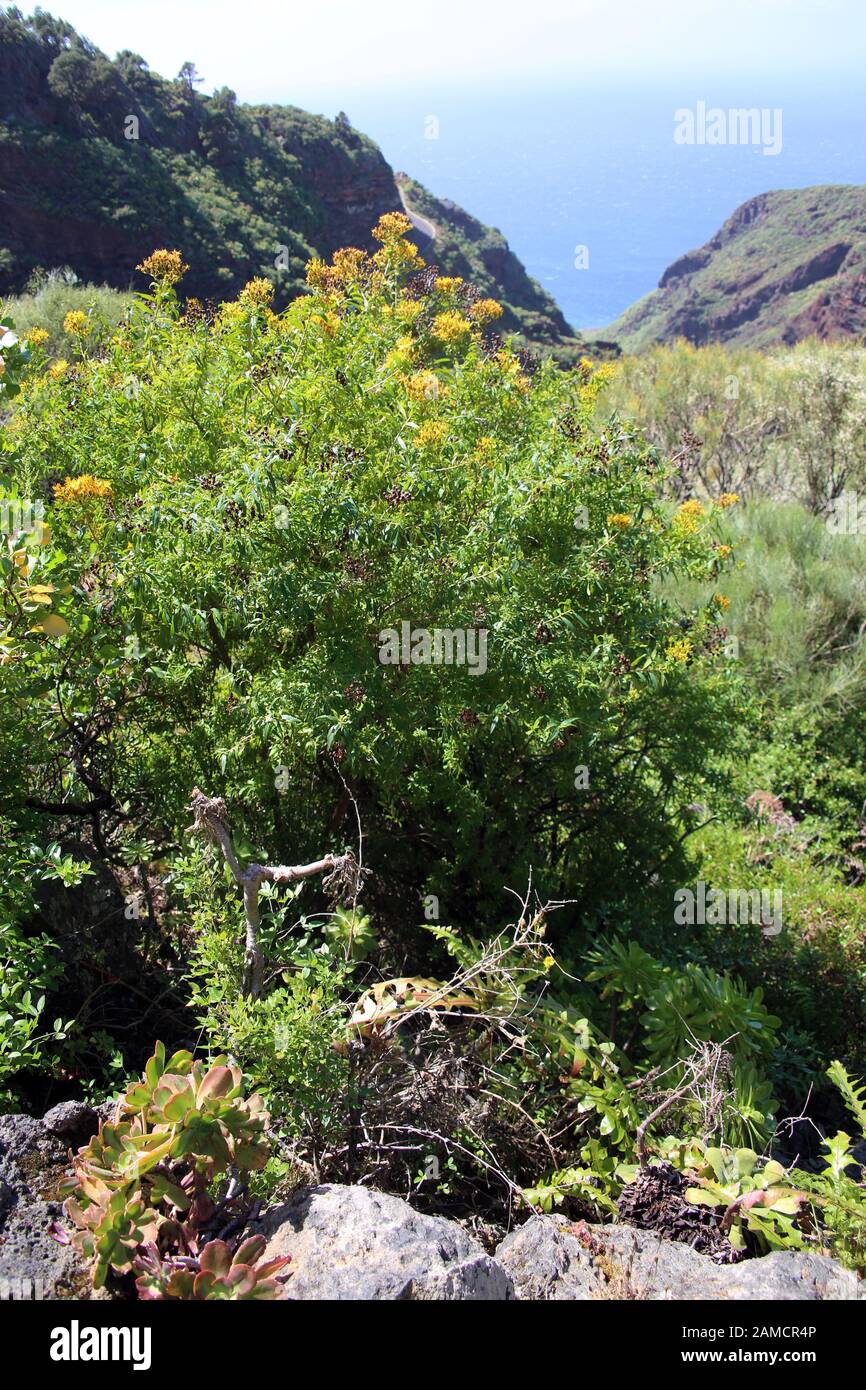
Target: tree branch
x,y
344,874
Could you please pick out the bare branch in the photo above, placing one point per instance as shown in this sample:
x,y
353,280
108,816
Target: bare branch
x,y
344,876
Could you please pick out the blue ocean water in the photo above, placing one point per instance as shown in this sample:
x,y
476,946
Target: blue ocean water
x,y
593,166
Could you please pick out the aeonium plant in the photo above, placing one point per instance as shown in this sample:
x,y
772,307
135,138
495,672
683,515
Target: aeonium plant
x,y
141,1194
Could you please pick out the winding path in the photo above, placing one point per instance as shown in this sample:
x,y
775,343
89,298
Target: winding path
x,y
421,224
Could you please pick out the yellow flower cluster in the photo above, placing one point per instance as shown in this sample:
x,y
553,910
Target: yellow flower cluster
x,y
76,324
450,328
728,499
511,368
165,266
620,519
448,283
723,550
391,226
394,251
58,369
423,386
36,336
721,601
483,452
347,266
486,311
688,515
257,293
408,310
83,488
680,650
318,274
431,434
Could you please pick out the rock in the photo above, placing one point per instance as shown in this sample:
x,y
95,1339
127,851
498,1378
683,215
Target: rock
x,y
72,1120
551,1259
32,1264
351,1243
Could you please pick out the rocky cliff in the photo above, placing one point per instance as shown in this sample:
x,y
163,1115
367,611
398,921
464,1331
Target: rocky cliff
x,y
787,265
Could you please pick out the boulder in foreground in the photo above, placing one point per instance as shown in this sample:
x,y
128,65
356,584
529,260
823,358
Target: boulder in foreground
x,y
353,1243
551,1259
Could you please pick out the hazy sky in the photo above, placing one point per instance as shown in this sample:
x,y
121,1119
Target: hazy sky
x,y
319,52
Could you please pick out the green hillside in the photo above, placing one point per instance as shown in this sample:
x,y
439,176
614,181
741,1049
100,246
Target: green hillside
x,y
101,161
787,265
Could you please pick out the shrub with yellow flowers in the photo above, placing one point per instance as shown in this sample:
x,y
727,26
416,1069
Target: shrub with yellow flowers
x,y
270,492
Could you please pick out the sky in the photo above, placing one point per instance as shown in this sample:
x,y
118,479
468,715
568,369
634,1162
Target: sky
x,y
319,53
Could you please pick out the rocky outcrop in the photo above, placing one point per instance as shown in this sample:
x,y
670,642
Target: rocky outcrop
x,y
351,1243
785,266
551,1259
33,1160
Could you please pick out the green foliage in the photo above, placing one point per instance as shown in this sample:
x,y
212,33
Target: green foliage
x,y
678,1006
14,356
768,1207
29,971
852,1093
756,1195
143,1181
285,1038
51,296
233,551
238,505
570,1184
783,425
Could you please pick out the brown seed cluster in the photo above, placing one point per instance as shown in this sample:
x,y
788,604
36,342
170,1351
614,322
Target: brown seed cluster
x,y
398,496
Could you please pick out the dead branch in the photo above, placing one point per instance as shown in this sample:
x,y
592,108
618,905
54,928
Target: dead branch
x,y
343,877
701,1084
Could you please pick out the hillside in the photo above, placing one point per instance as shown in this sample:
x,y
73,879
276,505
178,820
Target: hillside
x,y
101,161
787,265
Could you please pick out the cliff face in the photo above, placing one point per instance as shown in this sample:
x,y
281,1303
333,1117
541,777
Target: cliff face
x,y
101,161
787,265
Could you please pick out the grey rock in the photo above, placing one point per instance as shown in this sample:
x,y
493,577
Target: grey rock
x,y
550,1259
72,1120
32,1264
106,1112
351,1243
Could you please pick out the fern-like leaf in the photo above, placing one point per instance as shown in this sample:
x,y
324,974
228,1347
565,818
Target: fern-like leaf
x,y
852,1092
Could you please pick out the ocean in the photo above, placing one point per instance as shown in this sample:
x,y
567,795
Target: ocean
x,y
588,184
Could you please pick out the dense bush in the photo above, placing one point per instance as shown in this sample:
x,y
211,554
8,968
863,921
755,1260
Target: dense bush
x,y
240,512
787,424
42,315
249,503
